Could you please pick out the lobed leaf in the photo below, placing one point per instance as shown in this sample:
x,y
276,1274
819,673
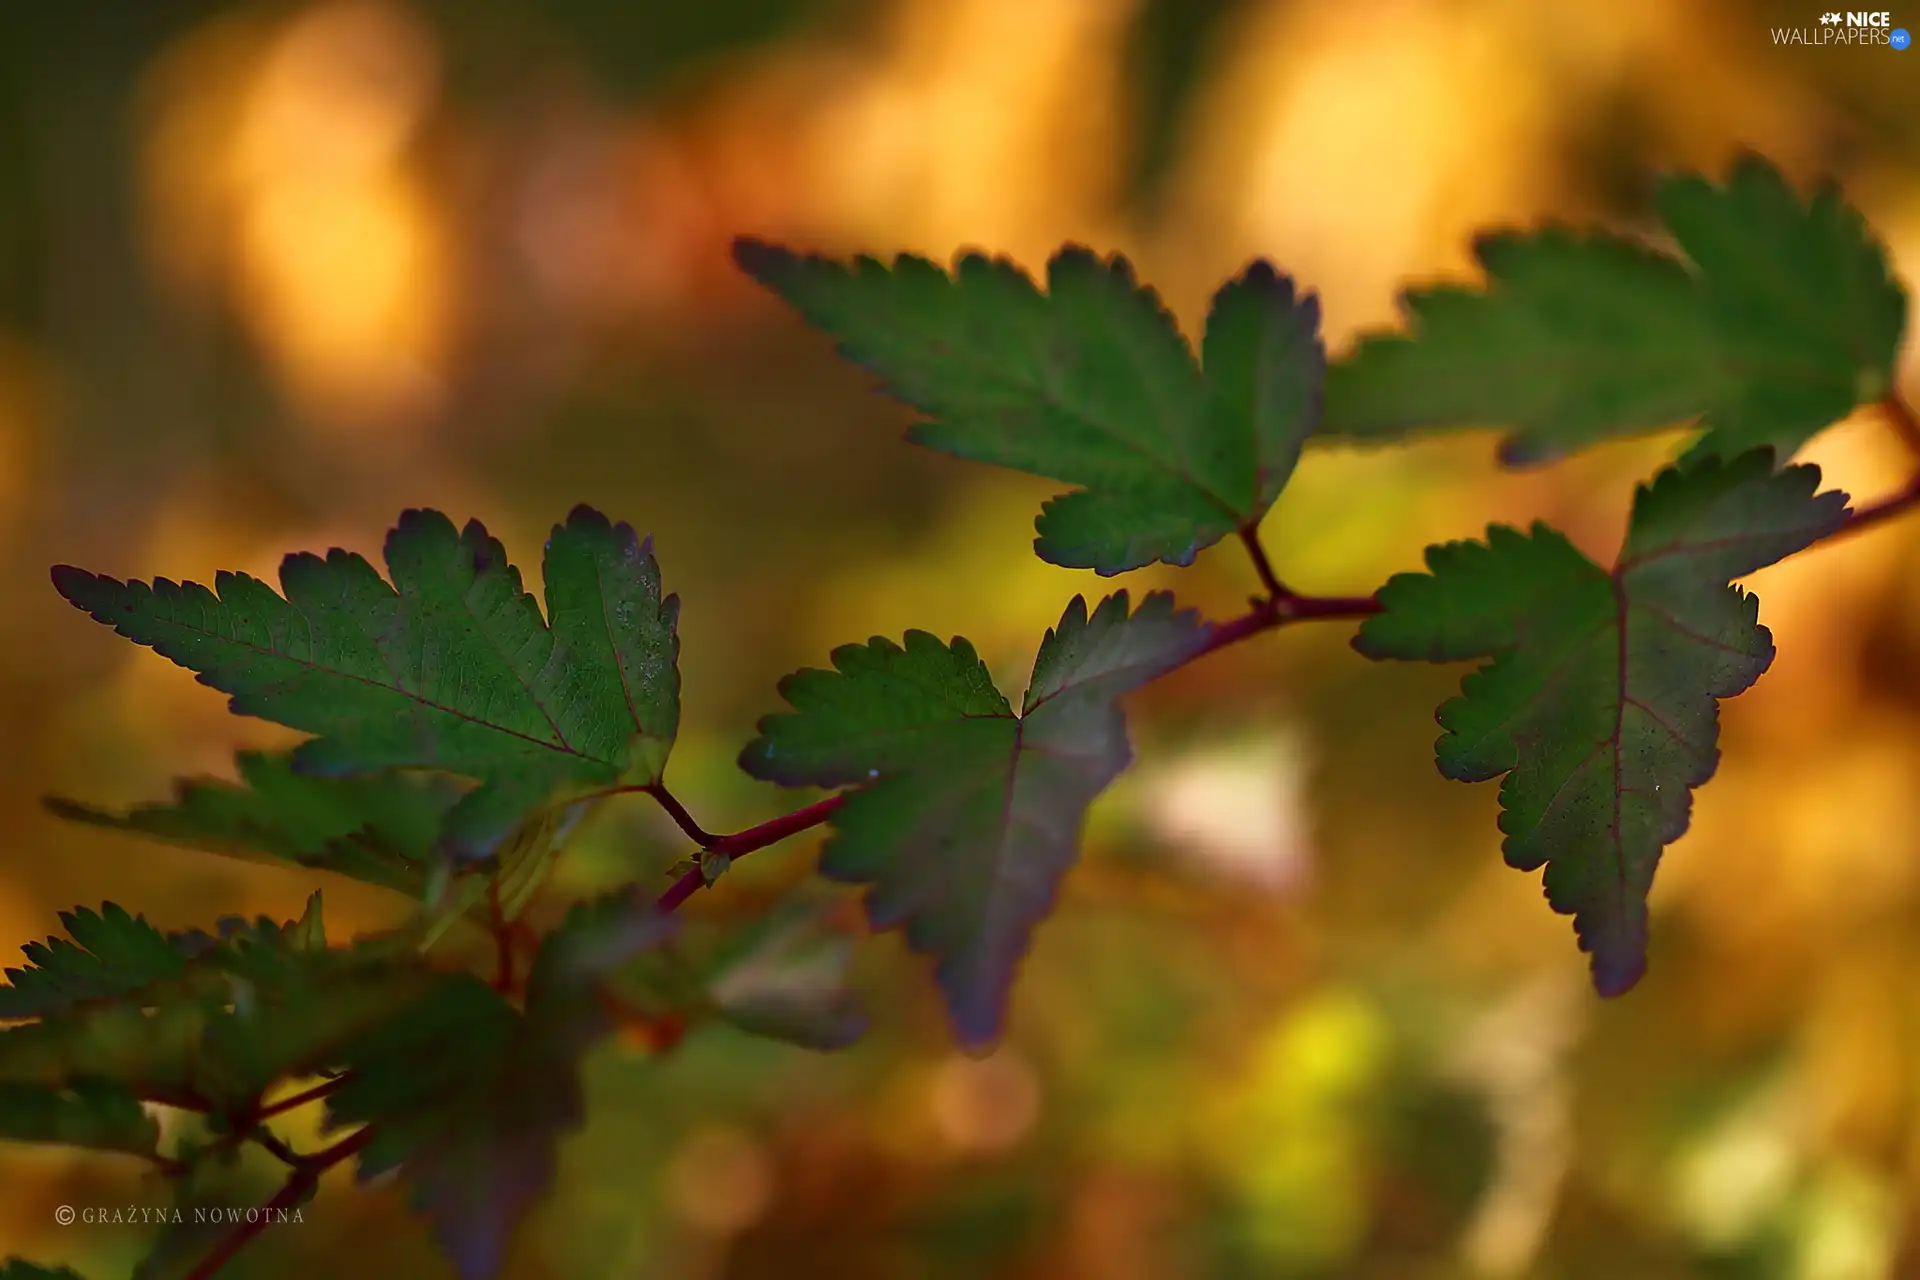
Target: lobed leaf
x,y
109,953
449,667
379,828
1782,316
476,1132
1600,703
227,1017
1090,384
968,815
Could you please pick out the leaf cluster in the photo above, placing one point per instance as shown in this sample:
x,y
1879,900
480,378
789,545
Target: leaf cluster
x,y
460,729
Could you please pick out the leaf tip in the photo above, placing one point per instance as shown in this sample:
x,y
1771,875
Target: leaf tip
x,y
1616,975
760,258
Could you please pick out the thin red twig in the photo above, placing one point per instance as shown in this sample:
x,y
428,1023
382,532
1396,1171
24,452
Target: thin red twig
x,y
742,843
302,1181
1250,538
298,1100
1267,615
678,812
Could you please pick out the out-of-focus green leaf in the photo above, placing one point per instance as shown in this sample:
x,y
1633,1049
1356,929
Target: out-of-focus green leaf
x,y
968,815
470,1096
100,1115
451,667
1600,703
236,1014
786,977
108,953
379,828
1783,316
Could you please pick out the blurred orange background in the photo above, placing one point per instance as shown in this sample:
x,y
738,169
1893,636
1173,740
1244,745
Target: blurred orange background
x,y
271,273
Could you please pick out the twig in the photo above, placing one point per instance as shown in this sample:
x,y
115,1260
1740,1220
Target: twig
x,y
300,1099
678,812
305,1177
1266,615
742,843
272,1144
1250,538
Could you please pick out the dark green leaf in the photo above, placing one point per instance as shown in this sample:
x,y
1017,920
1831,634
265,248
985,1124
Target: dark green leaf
x,y
85,1113
110,953
1090,384
379,828
968,815
1783,316
451,667
1600,702
471,1096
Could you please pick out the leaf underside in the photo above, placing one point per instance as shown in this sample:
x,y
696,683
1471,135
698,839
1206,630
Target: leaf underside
x,y
451,667
1090,384
1599,703
968,815
1781,316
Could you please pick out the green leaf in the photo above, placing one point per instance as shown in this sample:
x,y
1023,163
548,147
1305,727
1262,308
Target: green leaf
x,y
100,1115
110,953
1090,384
1599,703
470,1097
1802,296
113,955
968,815
786,978
231,1016
451,667
379,828
1783,315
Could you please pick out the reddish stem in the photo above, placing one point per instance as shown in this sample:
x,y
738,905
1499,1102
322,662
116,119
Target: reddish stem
x,y
1250,538
301,1182
742,843
1269,614
678,812
299,1100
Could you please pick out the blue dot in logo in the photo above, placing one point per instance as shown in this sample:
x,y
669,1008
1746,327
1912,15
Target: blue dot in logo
x,y
1899,38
